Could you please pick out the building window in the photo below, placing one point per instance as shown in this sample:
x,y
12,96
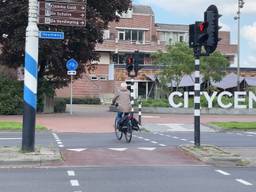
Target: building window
x,y
93,77
127,35
121,35
102,77
181,38
131,35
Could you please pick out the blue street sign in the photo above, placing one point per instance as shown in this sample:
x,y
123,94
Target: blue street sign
x,y
51,35
72,64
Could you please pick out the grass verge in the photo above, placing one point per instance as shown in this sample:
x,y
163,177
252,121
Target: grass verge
x,y
16,126
235,125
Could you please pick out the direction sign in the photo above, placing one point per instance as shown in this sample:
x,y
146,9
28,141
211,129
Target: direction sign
x,y
51,35
71,72
72,64
71,13
61,21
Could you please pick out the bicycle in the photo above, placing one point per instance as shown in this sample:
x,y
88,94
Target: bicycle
x,y
126,126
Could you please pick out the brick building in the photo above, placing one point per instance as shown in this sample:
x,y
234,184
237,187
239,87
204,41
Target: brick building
x,y
136,30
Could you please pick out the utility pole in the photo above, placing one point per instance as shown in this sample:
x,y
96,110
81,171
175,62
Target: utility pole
x,y
240,6
30,80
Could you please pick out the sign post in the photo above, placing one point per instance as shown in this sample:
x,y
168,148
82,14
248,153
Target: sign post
x,y
71,65
30,80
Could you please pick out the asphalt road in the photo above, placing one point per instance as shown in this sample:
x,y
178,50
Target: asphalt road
x,y
151,162
126,179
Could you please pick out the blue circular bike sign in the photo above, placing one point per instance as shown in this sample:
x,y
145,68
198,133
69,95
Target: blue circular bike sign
x,y
72,64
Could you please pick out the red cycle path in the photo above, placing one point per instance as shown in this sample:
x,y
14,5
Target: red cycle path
x,y
97,119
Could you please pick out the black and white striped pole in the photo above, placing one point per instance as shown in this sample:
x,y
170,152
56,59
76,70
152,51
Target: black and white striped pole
x,y
132,95
197,110
140,105
30,79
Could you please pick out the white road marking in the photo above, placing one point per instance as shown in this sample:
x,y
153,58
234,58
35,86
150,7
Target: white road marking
x,y
222,172
118,149
163,145
74,183
18,138
78,149
175,137
150,117
253,133
61,145
71,173
147,148
184,139
239,134
140,137
154,142
244,182
191,141
168,136
146,139
250,135
59,142
161,134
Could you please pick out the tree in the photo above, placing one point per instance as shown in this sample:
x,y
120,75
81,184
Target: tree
x,y
174,63
178,60
79,42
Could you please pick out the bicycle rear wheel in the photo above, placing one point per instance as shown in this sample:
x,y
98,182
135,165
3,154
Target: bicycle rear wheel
x,y
128,133
119,134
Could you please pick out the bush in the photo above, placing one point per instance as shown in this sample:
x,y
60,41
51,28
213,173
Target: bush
x,y
11,92
59,105
85,100
155,103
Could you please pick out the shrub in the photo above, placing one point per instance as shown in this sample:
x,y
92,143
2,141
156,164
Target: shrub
x,y
11,92
59,105
85,100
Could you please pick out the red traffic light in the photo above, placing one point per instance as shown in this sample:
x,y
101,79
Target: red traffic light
x,y
130,60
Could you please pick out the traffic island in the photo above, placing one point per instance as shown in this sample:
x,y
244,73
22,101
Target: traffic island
x,y
13,156
215,156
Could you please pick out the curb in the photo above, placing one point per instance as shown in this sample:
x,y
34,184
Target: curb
x,y
213,155
13,157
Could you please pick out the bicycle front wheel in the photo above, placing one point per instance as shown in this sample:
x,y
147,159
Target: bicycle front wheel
x,y
128,133
119,134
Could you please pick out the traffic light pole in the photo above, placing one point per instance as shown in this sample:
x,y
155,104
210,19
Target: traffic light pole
x,y
30,80
197,111
132,95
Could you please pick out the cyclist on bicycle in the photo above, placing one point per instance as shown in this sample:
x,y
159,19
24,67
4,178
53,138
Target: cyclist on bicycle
x,y
123,102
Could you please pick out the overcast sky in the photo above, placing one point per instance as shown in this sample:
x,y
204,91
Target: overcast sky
x,y
189,11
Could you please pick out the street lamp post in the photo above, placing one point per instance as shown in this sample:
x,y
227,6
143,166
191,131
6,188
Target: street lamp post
x,y
240,6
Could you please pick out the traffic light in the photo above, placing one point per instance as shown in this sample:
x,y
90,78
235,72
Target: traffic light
x,y
198,34
129,64
211,17
137,61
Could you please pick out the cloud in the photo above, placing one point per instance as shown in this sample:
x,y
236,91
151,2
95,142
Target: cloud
x,y
249,33
196,7
250,61
224,27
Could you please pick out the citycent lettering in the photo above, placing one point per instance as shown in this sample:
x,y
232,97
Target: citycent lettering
x,y
238,102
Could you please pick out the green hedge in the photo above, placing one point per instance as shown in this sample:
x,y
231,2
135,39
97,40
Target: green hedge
x,y
59,105
85,100
11,96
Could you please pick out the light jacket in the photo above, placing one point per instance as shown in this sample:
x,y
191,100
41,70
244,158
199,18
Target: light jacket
x,y
123,100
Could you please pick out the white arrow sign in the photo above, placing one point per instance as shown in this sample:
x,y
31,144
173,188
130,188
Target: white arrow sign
x,y
78,149
118,149
147,148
